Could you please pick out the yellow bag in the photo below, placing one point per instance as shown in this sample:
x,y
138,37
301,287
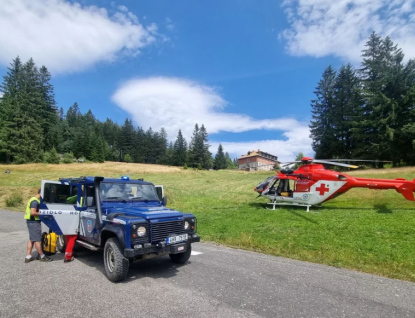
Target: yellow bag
x,y
49,243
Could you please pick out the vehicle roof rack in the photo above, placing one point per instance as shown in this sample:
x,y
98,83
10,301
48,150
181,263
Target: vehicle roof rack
x,y
73,179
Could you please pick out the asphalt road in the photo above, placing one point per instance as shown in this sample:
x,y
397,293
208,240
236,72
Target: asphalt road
x,y
216,282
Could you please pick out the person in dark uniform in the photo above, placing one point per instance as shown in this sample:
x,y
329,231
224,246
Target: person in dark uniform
x,y
35,230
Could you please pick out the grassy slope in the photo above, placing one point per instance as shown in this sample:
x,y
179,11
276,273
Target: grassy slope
x,y
365,230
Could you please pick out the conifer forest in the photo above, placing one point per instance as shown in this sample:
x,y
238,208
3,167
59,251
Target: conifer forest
x,y
364,112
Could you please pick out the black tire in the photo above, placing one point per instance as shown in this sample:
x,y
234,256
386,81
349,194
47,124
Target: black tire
x,y
182,258
61,243
116,265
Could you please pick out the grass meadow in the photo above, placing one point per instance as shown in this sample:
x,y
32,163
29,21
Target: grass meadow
x,y
364,230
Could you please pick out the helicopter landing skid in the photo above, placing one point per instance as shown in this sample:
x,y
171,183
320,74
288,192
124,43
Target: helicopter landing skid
x,y
292,204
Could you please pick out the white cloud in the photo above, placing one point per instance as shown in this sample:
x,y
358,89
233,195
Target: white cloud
x,y
66,36
169,24
342,27
175,103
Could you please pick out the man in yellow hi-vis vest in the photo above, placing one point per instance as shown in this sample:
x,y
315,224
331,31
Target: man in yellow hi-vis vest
x,y
35,229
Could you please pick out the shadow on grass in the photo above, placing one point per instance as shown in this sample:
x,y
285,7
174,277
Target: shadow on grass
x,y
258,205
299,213
382,208
225,208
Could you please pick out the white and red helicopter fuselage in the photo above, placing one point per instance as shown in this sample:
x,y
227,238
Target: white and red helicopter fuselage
x,y
311,184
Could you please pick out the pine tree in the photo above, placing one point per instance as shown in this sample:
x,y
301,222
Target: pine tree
x,y
386,87
110,133
49,111
160,146
8,109
21,131
199,155
167,159
140,149
235,162
99,149
207,161
347,114
126,138
220,159
73,115
195,148
148,145
405,138
322,132
180,150
229,162
377,116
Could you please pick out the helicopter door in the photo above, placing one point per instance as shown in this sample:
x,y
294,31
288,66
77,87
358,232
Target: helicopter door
x,y
285,187
58,207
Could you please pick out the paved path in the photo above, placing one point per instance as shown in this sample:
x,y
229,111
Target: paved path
x,y
216,282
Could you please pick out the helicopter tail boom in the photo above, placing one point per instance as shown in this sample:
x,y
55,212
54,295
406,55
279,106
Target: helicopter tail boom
x,y
405,187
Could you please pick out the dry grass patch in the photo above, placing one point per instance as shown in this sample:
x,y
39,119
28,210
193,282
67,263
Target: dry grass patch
x,y
25,192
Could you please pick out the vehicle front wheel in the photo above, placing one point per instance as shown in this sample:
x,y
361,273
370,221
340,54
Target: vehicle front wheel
x,y
116,265
182,258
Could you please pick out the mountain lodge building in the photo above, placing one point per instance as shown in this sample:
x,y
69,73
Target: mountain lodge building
x,y
257,161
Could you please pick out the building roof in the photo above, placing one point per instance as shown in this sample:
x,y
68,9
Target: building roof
x,y
259,153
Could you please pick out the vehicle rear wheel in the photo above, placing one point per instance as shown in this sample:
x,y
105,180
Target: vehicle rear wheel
x,y
182,258
116,265
61,243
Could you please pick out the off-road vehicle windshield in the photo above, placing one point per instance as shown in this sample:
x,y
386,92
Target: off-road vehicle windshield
x,y
115,191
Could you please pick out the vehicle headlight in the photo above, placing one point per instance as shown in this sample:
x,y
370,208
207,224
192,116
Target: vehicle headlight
x,y
186,225
141,231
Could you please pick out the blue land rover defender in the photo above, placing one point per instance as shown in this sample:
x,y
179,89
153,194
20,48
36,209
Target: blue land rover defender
x,y
125,218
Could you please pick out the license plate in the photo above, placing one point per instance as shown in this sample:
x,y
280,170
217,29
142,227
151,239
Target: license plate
x,y
176,239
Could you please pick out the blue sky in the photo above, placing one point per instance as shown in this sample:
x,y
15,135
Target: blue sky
x,y
245,69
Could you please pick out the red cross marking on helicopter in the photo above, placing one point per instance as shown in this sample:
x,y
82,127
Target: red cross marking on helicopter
x,y
322,189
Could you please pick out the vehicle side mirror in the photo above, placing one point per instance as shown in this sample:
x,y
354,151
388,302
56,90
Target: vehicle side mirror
x,y
164,201
160,191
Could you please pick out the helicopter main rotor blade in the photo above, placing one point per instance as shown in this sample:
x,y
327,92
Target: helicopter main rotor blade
x,y
355,160
284,164
335,163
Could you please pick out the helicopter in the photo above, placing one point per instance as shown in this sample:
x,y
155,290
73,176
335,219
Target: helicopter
x,y
311,184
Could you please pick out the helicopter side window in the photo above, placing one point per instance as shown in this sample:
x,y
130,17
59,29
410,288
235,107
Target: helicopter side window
x,y
284,188
274,187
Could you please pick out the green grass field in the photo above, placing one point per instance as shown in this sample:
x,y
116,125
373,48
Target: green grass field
x,y
365,230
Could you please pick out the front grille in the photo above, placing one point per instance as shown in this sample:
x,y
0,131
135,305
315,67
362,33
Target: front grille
x,y
161,230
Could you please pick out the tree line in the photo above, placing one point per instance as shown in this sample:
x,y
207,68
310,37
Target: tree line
x,y
367,113
33,129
